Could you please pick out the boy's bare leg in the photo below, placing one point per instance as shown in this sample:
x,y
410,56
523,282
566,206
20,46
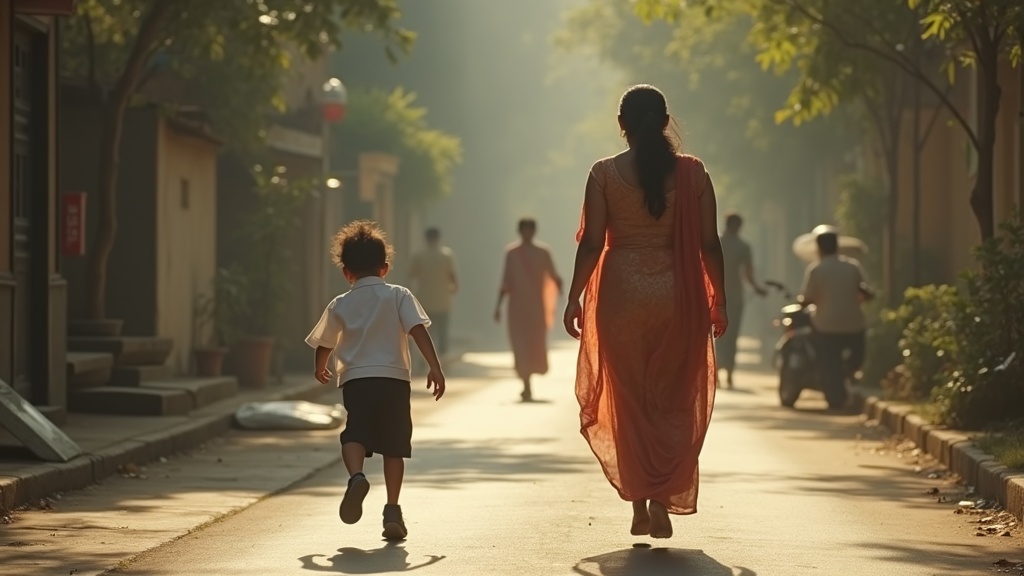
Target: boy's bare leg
x,y
394,473
354,455
527,390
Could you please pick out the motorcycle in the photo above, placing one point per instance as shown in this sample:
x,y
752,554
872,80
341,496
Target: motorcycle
x,y
795,357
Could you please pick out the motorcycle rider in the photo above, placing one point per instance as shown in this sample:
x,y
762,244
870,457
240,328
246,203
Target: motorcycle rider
x,y
837,287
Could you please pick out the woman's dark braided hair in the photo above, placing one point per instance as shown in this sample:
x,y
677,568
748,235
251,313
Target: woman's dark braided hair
x,y
644,115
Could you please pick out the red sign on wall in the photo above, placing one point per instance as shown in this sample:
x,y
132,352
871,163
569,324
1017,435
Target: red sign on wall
x,y
72,218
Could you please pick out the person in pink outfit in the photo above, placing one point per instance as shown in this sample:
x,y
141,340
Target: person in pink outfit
x,y
532,285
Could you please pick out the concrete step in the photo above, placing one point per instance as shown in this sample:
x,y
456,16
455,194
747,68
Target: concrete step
x,y
129,376
130,401
127,350
203,391
89,369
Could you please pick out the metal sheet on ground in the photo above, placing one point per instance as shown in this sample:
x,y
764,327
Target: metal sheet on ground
x,y
34,430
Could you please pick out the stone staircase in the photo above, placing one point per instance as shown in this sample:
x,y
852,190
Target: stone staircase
x,y
128,375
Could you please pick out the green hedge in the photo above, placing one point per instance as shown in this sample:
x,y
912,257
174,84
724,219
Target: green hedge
x,y
962,349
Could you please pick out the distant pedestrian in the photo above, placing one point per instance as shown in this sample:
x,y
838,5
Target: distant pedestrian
x,y
739,266
649,265
366,331
435,282
532,286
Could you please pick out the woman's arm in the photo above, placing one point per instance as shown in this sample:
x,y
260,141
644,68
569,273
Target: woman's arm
x,y
588,253
710,244
552,271
502,290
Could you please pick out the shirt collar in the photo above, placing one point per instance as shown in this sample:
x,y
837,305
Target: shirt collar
x,y
368,281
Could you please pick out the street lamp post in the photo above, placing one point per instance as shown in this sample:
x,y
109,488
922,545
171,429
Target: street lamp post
x,y
333,108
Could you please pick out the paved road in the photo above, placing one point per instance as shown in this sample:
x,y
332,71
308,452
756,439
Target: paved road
x,y
497,487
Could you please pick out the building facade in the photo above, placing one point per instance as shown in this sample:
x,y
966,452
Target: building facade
x,y
33,317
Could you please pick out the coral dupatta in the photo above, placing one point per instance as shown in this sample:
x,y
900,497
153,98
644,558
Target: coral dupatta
x,y
649,449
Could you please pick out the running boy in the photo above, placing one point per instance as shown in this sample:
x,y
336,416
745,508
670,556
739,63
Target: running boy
x,y
366,330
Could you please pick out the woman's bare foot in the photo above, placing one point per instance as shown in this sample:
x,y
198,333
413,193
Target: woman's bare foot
x,y
661,525
527,394
641,519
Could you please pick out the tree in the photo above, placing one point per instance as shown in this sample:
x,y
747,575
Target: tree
x,y
790,36
114,46
977,35
391,122
970,33
702,59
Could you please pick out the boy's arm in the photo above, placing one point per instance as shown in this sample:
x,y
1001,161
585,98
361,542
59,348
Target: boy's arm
x,y
322,373
435,377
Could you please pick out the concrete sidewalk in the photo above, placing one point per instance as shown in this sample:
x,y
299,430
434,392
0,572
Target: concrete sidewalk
x,y
98,529
110,443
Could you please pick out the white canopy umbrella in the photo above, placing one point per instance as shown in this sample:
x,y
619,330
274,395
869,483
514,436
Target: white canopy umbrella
x,y
806,246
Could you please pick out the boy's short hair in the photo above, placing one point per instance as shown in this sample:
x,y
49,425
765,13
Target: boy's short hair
x,y
433,233
526,223
361,247
733,220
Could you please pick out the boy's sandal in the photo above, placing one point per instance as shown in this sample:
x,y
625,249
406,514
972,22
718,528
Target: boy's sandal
x,y
394,524
351,509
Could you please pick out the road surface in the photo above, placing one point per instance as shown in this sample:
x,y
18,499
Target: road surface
x,y
497,487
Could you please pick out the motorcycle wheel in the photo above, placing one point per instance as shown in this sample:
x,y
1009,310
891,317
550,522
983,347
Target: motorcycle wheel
x,y
789,386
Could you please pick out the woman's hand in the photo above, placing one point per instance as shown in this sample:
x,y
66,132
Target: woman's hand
x,y
719,321
573,318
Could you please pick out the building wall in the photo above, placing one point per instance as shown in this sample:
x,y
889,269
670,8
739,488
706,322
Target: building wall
x,y
186,236
131,272
305,82
6,276
949,230
948,165
38,299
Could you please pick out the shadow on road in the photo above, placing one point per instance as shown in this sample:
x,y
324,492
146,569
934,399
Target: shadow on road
x,y
386,559
644,561
450,464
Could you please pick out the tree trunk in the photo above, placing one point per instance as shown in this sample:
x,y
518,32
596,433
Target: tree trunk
x,y
982,202
889,256
111,124
916,167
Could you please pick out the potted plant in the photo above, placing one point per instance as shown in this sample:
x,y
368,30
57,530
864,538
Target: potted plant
x,y
266,230
216,315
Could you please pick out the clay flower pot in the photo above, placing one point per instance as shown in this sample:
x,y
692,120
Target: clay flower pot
x,y
209,361
253,356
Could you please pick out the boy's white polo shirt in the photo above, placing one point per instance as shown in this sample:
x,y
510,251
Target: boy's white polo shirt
x,y
367,328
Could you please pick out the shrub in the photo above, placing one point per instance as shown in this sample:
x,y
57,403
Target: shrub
x,y
929,342
913,343
985,385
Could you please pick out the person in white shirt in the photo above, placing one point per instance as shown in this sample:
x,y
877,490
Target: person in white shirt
x,y
435,282
837,287
365,329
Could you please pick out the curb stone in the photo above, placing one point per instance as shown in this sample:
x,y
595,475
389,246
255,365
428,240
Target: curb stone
x,y
38,481
955,450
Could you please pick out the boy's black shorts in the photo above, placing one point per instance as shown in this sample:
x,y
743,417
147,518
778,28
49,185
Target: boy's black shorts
x,y
379,416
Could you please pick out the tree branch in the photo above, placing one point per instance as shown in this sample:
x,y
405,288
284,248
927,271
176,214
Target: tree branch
x,y
145,44
898,61
923,139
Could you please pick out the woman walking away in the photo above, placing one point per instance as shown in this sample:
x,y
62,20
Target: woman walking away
x,y
650,267
532,286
